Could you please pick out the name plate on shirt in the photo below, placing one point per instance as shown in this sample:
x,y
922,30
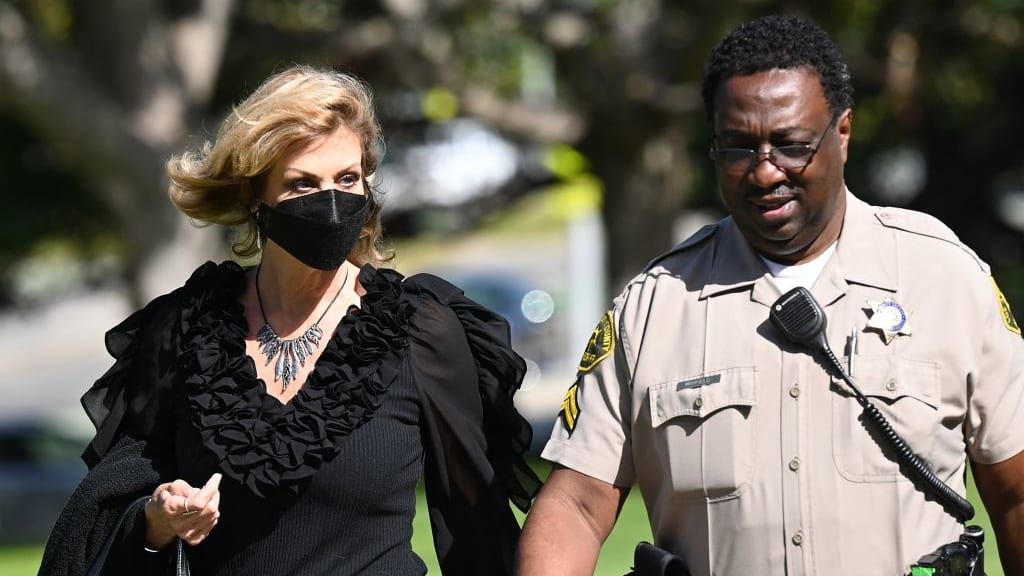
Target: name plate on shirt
x,y
698,382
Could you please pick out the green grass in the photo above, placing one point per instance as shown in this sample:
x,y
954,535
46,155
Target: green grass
x,y
20,560
616,555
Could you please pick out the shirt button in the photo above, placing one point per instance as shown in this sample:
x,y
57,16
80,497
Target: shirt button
x,y
798,538
794,464
890,385
698,402
794,391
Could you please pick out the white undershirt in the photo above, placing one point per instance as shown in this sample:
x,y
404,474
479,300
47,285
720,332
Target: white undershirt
x,y
788,277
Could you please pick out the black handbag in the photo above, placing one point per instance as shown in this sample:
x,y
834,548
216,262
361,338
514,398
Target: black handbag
x,y
96,569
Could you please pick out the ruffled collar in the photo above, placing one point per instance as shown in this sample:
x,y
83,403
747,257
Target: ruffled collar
x,y
258,441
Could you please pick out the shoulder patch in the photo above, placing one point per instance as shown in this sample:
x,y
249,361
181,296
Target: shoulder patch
x,y
1004,309
698,237
601,343
924,225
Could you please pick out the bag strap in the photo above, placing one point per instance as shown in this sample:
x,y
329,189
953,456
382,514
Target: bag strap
x,y
96,569
181,562
181,567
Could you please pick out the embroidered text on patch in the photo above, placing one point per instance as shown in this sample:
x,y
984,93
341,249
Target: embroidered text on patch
x,y
1004,308
600,345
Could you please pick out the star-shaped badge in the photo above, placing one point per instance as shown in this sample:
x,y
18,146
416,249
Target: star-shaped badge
x,y
889,318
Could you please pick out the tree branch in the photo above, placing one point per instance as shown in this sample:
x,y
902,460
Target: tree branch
x,y
198,42
70,113
117,139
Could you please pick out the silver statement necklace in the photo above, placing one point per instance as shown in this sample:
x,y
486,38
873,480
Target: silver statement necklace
x,y
291,354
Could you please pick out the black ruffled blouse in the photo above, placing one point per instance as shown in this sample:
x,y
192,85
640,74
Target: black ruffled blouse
x,y
418,379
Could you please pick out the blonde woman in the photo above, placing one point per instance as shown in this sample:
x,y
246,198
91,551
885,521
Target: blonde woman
x,y
276,419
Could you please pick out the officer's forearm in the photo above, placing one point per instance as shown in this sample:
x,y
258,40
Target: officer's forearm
x,y
556,541
1009,528
1001,486
570,520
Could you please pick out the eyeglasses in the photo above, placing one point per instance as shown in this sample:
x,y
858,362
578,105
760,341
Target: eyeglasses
x,y
791,157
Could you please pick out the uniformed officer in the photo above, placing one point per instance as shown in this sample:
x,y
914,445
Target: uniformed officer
x,y
750,457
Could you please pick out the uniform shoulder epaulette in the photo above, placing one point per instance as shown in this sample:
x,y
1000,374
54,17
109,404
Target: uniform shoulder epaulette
x,y
695,239
925,225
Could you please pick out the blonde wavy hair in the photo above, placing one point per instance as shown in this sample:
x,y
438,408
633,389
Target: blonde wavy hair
x,y
214,184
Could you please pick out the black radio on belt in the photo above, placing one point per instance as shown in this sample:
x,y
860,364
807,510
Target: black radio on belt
x,y
802,321
649,560
964,557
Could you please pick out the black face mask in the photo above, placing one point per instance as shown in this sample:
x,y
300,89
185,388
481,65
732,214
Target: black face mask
x,y
319,229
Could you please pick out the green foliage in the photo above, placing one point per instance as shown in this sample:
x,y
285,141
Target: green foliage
x,y
301,15
440,104
53,17
629,70
565,161
492,44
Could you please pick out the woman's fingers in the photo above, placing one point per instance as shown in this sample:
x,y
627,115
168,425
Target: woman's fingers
x,y
213,505
191,513
177,508
197,535
180,488
203,512
200,500
170,498
162,512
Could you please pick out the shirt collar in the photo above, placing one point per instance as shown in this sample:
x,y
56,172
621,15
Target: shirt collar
x,y
864,255
736,266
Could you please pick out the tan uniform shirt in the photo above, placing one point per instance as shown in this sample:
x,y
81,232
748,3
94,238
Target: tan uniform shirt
x,y
750,457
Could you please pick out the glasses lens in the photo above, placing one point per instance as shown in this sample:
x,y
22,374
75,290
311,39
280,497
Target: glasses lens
x,y
795,156
735,159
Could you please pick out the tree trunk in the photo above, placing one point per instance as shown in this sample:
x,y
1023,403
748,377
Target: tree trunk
x,y
115,119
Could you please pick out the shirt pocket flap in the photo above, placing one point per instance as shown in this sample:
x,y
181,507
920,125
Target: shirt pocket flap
x,y
890,379
703,394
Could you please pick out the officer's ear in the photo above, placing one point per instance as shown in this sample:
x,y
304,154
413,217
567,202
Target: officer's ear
x,y
844,126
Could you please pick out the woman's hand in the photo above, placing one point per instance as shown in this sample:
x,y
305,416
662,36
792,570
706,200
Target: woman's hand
x,y
177,509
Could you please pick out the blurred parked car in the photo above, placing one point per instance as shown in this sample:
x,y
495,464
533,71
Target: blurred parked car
x,y
538,334
528,309
40,466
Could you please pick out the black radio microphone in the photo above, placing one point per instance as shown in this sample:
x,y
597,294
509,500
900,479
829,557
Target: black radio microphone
x,y
802,321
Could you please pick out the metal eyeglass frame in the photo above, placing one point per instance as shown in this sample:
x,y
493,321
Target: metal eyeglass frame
x,y
772,154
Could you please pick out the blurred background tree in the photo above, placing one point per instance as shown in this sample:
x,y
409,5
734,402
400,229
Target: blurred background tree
x,y
94,95
99,94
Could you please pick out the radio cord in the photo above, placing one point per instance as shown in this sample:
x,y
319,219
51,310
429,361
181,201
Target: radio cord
x,y
802,321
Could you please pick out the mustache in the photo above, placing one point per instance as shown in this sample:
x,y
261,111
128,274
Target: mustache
x,y
780,190
777,191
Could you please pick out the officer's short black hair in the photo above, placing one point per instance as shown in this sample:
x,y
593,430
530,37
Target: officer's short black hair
x,y
779,42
